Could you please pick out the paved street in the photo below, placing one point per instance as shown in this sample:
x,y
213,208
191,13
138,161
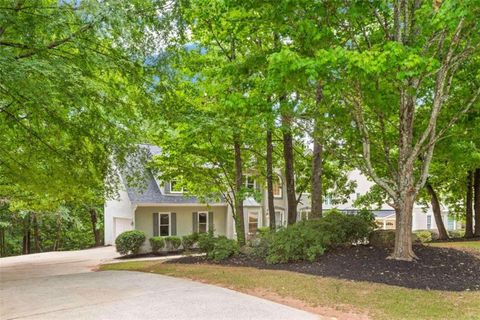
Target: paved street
x,y
61,285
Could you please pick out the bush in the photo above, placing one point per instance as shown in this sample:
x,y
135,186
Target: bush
x,y
189,241
306,240
156,243
173,242
217,248
424,236
456,233
130,242
206,241
223,248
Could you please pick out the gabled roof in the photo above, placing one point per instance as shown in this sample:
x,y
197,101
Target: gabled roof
x,y
140,183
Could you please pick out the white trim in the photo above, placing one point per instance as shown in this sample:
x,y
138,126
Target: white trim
x,y
169,223
198,221
257,212
280,184
175,192
174,204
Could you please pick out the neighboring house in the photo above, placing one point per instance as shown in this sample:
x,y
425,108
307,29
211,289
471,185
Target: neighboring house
x,y
161,208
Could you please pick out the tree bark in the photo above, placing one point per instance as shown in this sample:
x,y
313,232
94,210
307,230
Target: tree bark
x,y
239,216
476,201
469,206
36,233
58,235
96,231
442,232
317,168
403,228
289,168
271,204
26,235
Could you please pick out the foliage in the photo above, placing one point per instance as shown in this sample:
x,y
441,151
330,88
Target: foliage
x,y
206,241
456,233
188,241
173,242
130,242
157,243
217,248
223,248
307,240
424,236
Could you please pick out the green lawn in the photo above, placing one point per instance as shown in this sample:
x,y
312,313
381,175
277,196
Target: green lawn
x,y
475,245
324,295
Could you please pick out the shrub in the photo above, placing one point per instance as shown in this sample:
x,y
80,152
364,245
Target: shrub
x,y
424,236
296,242
188,241
156,243
130,242
306,240
173,242
206,241
456,233
223,248
217,248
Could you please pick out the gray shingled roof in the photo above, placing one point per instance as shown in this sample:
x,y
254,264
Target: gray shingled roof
x,y
140,183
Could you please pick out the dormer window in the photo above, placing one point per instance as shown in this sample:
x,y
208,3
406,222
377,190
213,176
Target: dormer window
x,y
175,187
250,183
277,187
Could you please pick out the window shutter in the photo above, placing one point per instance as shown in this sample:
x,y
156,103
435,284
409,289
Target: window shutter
x,y
173,222
155,224
194,222
210,221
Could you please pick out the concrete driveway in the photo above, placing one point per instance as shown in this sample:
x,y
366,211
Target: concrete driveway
x,y
61,285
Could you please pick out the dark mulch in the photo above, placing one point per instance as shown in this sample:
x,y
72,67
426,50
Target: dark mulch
x,y
436,269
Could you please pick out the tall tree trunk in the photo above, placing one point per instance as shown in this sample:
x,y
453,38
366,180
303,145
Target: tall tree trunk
x,y
36,233
469,206
442,232
289,168
403,228
271,204
2,242
239,216
58,235
26,235
476,201
317,169
96,231
406,192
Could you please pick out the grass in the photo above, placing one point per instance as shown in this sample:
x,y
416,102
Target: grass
x,y
472,245
378,301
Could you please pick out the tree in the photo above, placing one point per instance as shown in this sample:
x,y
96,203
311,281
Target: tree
x,y
404,72
476,196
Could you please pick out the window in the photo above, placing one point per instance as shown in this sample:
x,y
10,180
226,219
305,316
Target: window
x,y
202,222
327,200
250,182
279,218
429,222
252,222
450,223
164,224
175,187
277,187
303,215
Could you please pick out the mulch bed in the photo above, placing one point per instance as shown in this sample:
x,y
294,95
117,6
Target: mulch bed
x,y
436,269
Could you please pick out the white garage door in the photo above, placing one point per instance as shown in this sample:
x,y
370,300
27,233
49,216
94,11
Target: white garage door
x,y
122,225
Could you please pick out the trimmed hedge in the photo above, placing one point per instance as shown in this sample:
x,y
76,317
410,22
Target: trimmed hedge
x,y
130,242
172,242
157,243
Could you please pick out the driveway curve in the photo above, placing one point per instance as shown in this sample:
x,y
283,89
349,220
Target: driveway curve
x,y
63,286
